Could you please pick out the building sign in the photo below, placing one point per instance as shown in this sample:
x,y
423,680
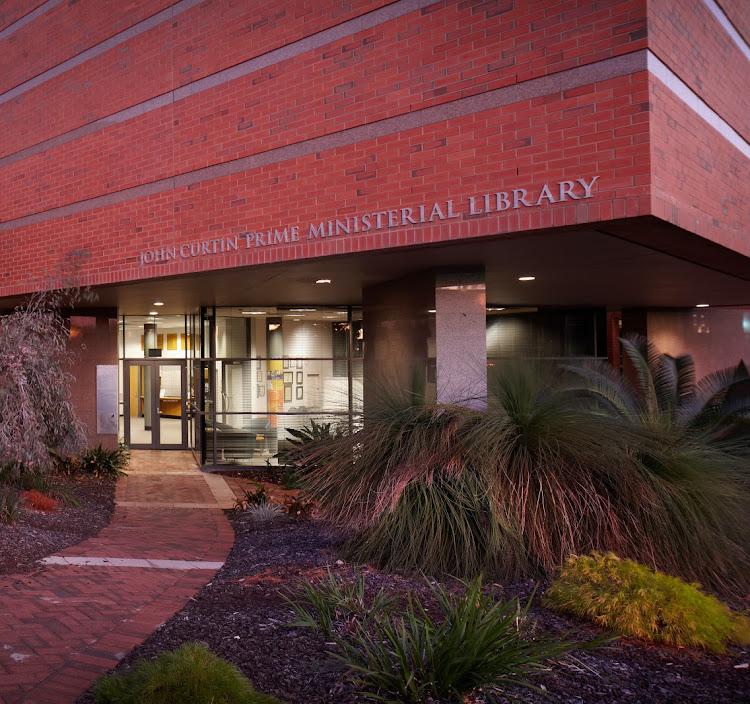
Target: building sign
x,y
437,211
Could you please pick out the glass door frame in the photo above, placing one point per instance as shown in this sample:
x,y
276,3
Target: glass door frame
x,y
154,365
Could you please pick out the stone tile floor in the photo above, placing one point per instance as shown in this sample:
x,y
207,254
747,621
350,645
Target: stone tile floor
x,y
66,623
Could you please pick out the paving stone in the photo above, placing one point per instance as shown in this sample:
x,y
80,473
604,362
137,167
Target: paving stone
x,y
64,625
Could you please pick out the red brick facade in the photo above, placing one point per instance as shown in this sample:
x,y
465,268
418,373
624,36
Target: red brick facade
x,y
350,107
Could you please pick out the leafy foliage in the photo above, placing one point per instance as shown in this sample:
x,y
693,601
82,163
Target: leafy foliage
x,y
36,413
410,656
252,497
297,459
190,674
323,605
103,462
632,599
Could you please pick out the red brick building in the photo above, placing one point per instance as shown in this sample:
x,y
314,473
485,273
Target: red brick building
x,y
253,189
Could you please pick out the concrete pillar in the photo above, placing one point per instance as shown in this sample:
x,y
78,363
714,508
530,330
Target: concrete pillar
x,y
461,338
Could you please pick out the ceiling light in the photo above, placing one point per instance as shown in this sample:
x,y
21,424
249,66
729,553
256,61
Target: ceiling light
x,y
323,281
526,278
302,310
494,310
432,310
158,303
701,305
253,312
152,312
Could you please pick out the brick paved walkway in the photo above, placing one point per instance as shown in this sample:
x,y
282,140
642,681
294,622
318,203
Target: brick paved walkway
x,y
66,623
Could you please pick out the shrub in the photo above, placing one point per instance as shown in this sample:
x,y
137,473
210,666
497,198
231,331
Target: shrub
x,y
39,501
263,513
299,507
634,600
36,413
103,462
10,505
190,674
252,497
331,601
476,642
544,472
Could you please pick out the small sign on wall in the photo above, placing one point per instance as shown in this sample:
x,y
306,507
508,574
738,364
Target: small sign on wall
x,y
106,399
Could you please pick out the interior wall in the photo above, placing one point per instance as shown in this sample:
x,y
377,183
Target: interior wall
x,y
715,337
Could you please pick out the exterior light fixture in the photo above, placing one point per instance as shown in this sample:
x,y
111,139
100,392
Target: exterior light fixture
x,y
158,303
323,281
701,305
526,278
495,310
432,310
152,312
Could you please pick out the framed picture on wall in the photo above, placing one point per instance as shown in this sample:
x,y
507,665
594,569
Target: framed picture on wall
x,y
259,376
287,393
299,377
286,364
288,377
261,390
299,393
299,364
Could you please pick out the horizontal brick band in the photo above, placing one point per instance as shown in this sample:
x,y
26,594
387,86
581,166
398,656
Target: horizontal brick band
x,y
138,28
314,41
534,88
29,17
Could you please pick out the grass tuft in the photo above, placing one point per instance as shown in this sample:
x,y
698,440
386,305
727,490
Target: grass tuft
x,y
190,674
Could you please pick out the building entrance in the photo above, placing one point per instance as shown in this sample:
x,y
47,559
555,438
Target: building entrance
x,y
155,407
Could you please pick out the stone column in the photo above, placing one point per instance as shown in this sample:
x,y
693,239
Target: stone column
x,y
461,338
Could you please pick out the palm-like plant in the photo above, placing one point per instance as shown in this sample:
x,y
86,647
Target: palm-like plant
x,y
661,391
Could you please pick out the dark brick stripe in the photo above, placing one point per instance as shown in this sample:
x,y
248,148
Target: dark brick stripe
x,y
534,88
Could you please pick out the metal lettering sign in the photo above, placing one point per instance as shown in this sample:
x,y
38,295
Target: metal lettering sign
x,y
419,214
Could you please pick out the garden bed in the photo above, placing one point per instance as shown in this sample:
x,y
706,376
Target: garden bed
x,y
37,534
244,618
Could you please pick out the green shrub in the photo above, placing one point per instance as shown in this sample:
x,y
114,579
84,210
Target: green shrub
x,y
331,601
634,600
102,462
476,642
190,674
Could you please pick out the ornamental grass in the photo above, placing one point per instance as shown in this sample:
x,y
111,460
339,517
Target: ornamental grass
x,y
543,473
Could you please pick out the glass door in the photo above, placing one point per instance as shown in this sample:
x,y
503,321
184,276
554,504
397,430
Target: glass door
x,y
155,408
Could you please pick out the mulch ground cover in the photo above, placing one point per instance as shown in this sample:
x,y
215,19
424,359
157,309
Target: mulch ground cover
x,y
37,534
243,617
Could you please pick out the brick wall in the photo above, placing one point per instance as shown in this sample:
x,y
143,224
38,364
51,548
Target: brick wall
x,y
372,115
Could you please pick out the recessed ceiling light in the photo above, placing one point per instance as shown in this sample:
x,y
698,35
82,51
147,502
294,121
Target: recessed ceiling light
x,y
158,303
526,278
152,312
323,281
701,305
253,312
302,310
495,309
432,310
